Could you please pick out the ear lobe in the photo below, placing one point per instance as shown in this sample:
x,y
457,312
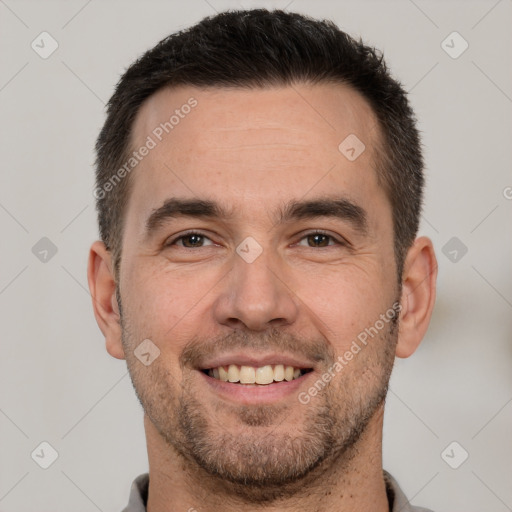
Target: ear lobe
x,y
102,286
418,295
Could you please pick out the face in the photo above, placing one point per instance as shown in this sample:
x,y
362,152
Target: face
x,y
256,256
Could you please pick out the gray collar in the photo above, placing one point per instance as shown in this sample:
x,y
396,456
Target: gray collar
x,y
396,498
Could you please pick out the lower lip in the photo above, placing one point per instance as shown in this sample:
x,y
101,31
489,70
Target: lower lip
x,y
248,394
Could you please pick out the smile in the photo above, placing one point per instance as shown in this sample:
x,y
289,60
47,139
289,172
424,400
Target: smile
x,y
261,375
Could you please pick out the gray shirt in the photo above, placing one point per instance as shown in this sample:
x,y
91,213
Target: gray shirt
x,y
396,498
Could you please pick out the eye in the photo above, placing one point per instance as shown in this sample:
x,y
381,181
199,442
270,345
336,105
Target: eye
x,y
190,240
319,239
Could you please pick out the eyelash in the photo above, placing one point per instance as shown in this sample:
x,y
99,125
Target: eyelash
x,y
337,241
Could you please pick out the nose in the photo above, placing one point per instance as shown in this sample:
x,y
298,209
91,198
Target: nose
x,y
256,295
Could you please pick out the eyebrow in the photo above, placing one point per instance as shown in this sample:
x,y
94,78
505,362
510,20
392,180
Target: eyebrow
x,y
176,207
340,208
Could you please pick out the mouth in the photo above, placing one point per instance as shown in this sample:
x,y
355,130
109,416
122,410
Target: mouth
x,y
256,375
253,378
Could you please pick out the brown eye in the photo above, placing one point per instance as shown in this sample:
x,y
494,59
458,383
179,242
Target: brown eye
x,y
318,240
190,241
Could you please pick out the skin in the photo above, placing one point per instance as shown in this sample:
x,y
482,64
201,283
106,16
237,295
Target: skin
x,y
254,150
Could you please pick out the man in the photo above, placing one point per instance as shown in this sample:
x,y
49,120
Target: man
x,y
259,187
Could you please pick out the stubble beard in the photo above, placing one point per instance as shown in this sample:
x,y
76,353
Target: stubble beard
x,y
266,458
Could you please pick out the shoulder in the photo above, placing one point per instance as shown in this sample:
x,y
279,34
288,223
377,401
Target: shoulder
x,y
138,494
397,499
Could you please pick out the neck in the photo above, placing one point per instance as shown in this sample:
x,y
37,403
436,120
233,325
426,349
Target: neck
x,y
350,482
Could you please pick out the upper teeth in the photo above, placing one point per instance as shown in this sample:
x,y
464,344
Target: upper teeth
x,y
251,375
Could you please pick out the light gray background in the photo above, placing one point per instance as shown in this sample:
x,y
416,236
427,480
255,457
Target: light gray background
x,y
57,382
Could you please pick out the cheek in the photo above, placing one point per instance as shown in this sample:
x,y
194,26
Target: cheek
x,y
346,299
165,305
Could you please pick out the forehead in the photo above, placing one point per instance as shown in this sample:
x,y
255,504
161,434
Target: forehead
x,y
310,114
253,146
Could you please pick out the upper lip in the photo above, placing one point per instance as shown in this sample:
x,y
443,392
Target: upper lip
x,y
256,360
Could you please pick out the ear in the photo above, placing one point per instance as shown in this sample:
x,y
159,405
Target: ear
x,y
418,295
103,291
